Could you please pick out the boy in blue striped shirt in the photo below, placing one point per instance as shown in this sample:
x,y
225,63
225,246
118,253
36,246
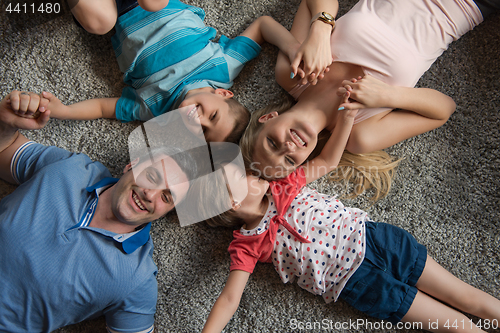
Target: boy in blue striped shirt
x,y
169,61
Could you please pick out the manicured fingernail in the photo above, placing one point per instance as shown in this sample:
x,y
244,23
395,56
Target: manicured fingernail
x,y
341,108
292,75
42,109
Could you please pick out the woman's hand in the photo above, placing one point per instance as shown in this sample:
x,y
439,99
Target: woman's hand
x,y
314,55
366,92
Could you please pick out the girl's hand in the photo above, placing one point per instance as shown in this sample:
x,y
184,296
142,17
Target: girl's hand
x,y
347,113
366,92
314,55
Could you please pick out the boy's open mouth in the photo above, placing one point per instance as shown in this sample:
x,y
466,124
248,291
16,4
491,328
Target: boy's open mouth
x,y
191,114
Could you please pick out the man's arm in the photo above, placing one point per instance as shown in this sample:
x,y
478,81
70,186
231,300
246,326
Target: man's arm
x,y
148,330
10,123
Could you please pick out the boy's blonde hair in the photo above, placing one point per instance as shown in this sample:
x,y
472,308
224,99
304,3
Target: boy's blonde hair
x,y
361,171
241,117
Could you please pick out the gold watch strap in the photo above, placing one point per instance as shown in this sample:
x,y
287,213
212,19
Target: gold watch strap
x,y
324,17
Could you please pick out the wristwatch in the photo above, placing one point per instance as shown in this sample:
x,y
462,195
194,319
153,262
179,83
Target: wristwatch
x,y
324,17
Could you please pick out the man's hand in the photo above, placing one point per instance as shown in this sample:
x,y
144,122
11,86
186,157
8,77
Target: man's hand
x,y
23,110
17,111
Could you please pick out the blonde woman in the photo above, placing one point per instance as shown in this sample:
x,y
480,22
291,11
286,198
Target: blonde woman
x,y
386,45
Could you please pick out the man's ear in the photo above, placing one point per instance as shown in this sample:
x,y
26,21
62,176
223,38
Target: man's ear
x,y
268,116
129,166
224,93
235,205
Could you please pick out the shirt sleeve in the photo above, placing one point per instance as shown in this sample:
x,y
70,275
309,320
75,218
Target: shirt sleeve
x,y
246,251
238,51
136,312
131,107
31,157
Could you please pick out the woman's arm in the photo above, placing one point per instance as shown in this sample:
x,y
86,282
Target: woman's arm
x,y
418,110
228,302
315,51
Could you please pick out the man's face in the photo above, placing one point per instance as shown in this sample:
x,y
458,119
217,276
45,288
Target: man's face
x,y
149,191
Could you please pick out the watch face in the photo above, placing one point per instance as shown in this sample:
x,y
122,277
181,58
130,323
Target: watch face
x,y
328,16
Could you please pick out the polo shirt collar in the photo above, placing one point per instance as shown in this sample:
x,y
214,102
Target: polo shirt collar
x,y
129,242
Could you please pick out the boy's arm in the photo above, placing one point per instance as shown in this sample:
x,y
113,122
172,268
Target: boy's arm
x,y
266,29
228,302
315,53
84,110
331,153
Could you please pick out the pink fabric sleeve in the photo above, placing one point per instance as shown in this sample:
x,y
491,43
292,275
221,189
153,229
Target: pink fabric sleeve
x,y
246,251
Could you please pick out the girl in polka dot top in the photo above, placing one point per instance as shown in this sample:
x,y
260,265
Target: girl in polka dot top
x,y
335,251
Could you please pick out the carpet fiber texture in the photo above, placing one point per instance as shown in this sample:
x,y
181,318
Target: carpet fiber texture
x,y
445,192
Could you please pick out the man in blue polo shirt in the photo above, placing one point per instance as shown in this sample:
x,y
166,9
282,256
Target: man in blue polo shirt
x,y
74,242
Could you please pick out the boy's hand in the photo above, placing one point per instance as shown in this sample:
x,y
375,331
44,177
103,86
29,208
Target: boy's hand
x,y
366,92
56,107
314,55
23,110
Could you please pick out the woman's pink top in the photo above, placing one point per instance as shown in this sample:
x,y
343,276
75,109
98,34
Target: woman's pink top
x,y
397,41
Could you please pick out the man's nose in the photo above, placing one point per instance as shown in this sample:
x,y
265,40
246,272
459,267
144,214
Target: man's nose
x,y
151,194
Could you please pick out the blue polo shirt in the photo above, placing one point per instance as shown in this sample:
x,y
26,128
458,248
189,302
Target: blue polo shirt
x,y
167,53
55,270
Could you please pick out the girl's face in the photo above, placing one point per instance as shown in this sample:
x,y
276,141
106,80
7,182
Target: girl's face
x,y
283,143
246,189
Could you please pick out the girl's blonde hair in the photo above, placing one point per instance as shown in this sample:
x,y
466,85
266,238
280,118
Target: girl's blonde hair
x,y
361,171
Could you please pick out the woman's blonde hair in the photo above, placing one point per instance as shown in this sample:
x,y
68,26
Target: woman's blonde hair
x,y
361,171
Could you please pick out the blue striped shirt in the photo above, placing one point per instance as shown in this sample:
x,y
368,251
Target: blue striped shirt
x,y
55,269
165,54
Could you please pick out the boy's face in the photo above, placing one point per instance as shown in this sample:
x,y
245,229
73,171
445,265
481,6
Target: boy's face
x,y
211,111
